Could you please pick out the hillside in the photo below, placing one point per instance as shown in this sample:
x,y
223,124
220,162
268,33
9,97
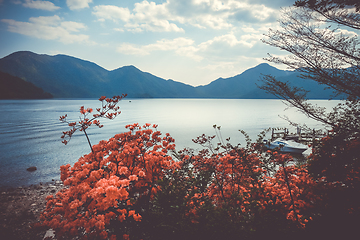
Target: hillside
x,y
15,88
68,77
242,85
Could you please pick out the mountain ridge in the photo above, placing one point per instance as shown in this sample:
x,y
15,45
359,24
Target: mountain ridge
x,y
15,88
69,77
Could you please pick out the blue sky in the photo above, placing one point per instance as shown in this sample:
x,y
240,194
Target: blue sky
x,y
190,41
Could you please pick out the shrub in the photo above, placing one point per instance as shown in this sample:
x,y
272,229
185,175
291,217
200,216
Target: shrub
x,y
131,186
108,189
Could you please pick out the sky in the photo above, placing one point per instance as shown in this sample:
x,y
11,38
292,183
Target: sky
x,y
190,41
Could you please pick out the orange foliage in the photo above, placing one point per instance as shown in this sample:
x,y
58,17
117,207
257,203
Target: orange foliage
x,y
103,186
120,177
242,184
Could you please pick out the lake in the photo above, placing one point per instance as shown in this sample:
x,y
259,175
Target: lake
x,y
30,130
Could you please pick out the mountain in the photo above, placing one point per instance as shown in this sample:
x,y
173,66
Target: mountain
x,y
242,85
68,77
15,88
136,83
61,75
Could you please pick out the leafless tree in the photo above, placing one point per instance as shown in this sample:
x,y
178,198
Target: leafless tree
x,y
321,37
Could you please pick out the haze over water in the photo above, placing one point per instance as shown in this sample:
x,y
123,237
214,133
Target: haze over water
x,y
30,130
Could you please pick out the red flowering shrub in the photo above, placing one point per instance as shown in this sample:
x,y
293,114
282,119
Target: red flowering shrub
x,y
130,187
106,186
242,183
231,191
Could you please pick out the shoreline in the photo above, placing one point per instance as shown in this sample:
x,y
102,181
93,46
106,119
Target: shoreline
x,y
20,207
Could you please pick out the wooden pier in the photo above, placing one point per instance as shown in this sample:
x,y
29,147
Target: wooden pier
x,y
299,136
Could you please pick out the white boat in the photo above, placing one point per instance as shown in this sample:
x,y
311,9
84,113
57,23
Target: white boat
x,y
287,146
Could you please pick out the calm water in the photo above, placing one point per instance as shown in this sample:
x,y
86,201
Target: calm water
x,y
30,129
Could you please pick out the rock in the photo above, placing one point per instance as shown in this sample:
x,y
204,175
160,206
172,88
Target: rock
x,y
50,234
20,209
31,169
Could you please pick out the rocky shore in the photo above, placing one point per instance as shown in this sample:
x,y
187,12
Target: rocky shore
x,y
21,207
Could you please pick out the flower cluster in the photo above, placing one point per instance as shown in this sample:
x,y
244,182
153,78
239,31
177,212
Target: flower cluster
x,y
135,185
241,183
104,187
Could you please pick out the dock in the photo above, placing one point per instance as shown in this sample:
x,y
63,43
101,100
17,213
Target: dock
x,y
299,136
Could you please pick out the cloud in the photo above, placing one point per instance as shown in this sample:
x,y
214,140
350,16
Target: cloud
x,y
229,68
181,46
201,13
154,17
219,65
42,5
346,33
109,12
216,14
131,49
232,47
223,48
49,28
78,4
145,16
170,15
273,3
72,26
229,43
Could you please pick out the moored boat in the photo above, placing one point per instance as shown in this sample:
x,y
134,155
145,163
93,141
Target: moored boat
x,y
286,146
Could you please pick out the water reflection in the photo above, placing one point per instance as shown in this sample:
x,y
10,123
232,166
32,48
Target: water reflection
x,y
30,130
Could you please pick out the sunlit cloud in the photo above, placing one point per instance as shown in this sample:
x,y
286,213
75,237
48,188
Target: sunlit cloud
x,y
154,17
231,67
346,33
109,12
219,65
181,46
131,49
168,16
119,29
273,4
78,4
42,5
49,28
144,17
223,44
216,14
224,48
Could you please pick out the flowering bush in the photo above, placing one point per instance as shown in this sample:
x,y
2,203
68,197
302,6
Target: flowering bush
x,y
110,186
250,184
131,187
232,191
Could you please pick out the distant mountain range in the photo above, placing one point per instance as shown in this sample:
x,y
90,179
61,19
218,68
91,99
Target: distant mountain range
x,y
68,77
15,88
